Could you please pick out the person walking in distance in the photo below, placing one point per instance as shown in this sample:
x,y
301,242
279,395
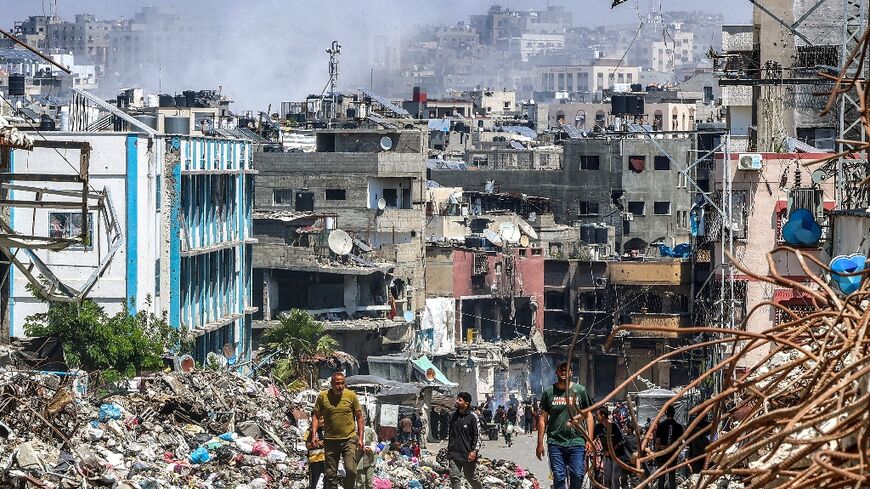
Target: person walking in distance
x,y
463,445
609,436
667,433
565,444
342,430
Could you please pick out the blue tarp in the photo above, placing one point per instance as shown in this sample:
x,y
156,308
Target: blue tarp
x,y
423,364
682,250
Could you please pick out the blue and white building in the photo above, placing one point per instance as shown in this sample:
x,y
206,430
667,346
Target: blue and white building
x,y
182,244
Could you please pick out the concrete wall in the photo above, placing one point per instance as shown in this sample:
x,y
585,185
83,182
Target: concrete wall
x,y
528,280
572,185
169,207
109,163
764,196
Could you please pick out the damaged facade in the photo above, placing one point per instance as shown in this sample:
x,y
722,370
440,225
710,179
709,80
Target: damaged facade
x,y
179,228
364,189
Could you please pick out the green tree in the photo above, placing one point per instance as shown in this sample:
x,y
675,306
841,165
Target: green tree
x,y
295,341
123,344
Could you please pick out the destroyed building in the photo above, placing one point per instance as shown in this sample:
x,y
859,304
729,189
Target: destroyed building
x,y
484,317
340,235
167,227
625,181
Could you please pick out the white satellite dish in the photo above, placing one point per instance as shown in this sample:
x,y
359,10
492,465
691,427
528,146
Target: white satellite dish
x,y
382,203
509,232
340,242
493,237
386,143
524,227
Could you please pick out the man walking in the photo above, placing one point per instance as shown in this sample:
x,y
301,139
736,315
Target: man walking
x,y
343,439
608,435
463,445
667,433
565,444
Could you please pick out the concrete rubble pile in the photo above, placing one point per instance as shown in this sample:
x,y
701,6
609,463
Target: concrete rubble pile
x,y
200,429
431,472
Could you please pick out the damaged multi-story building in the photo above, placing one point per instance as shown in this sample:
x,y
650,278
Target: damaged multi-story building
x,y
163,224
484,318
340,234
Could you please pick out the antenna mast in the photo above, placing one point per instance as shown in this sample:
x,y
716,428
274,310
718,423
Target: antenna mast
x,y
333,51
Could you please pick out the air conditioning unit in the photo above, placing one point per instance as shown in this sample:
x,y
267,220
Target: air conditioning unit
x,y
750,161
628,216
601,282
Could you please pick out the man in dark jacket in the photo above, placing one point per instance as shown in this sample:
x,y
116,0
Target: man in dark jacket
x,y
668,432
463,445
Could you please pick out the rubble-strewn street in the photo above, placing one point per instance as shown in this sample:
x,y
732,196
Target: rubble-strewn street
x,y
398,244
200,429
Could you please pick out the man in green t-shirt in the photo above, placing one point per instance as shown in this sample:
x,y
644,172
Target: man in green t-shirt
x,y
565,444
342,430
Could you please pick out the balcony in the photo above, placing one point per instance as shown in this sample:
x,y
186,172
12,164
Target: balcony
x,y
672,322
650,273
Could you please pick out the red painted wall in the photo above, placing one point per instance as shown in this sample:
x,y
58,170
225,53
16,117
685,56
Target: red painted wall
x,y
529,280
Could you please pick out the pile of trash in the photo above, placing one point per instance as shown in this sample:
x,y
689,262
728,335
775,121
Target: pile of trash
x,y
199,429
431,472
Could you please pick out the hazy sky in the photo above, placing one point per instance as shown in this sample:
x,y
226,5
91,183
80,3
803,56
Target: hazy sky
x,y
273,50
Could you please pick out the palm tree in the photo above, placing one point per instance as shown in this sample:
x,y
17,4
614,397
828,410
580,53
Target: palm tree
x,y
297,339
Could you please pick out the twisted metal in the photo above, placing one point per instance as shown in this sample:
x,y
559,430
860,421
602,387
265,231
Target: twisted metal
x,y
798,418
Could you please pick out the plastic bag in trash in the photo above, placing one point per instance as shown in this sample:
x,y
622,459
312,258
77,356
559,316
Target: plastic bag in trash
x,y
109,411
200,456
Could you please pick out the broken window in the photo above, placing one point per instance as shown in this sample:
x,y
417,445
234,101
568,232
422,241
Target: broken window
x,y
391,196
336,194
282,197
662,208
637,163
637,208
588,208
662,163
66,225
589,162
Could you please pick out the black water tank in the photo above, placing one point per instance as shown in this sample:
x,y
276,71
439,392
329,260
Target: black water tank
x,y
305,201
180,101
190,98
601,234
638,105
46,123
16,84
167,100
586,233
617,104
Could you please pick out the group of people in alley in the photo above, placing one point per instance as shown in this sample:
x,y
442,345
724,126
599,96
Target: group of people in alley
x,y
339,433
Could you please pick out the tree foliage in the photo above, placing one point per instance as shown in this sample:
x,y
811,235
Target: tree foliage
x,y
297,339
93,340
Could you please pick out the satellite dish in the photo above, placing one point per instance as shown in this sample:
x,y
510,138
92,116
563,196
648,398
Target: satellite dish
x,y
509,232
340,242
382,203
493,237
409,316
386,143
524,227
819,176
524,241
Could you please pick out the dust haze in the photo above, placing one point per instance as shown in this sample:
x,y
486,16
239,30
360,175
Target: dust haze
x,y
263,52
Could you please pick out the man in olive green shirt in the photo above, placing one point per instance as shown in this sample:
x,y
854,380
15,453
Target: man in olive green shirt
x,y
565,444
342,430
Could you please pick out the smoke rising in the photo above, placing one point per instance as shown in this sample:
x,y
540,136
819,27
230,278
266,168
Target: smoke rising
x,y
267,51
